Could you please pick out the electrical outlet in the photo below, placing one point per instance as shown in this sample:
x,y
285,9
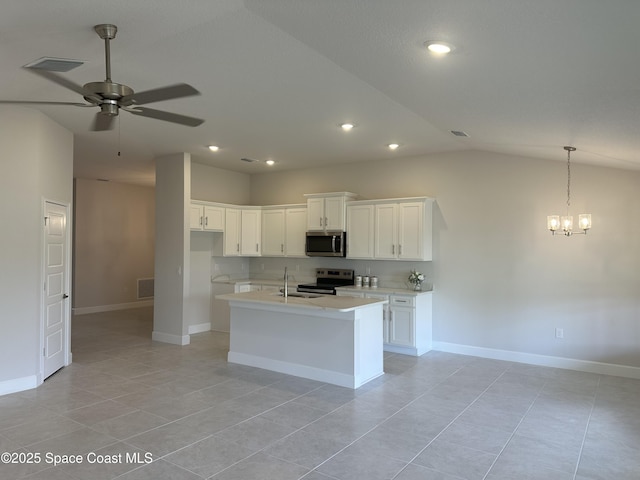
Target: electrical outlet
x,y
559,333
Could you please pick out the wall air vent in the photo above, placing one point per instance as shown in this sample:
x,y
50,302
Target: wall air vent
x,y
54,64
145,288
459,133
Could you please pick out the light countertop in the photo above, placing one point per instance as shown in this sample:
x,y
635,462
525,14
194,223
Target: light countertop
x,y
324,302
384,290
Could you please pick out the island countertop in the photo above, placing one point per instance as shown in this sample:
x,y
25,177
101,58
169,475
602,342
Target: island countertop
x,y
323,302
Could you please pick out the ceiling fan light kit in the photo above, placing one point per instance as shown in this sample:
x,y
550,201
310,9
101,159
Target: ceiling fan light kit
x,y
110,96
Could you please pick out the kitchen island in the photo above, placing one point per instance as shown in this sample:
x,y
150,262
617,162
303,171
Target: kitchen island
x,y
331,339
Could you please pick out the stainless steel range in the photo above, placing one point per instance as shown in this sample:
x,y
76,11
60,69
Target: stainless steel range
x,y
327,279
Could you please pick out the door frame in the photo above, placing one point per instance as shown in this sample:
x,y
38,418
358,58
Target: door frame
x,y
67,286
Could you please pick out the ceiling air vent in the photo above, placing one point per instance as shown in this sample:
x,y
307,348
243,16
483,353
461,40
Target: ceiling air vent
x,y
248,160
459,133
54,64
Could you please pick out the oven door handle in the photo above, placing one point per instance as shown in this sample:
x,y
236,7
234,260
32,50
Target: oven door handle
x,y
333,243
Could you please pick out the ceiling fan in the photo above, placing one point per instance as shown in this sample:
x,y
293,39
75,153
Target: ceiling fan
x,y
111,96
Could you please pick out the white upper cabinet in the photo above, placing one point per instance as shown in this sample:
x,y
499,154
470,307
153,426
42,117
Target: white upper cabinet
x,y
295,229
360,231
273,232
213,218
327,211
397,229
283,231
242,232
250,237
196,216
206,217
232,232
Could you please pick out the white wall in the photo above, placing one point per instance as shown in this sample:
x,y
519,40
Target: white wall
x,y
173,193
502,283
37,160
114,239
218,185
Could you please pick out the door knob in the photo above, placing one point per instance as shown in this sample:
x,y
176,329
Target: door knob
x,y
65,296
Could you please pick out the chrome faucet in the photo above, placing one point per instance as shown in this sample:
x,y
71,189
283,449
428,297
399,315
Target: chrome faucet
x,y
285,292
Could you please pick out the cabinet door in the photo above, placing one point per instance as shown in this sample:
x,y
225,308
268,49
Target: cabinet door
x,y
402,326
195,217
213,218
295,228
386,231
273,231
385,314
315,214
334,212
232,232
411,231
360,231
250,238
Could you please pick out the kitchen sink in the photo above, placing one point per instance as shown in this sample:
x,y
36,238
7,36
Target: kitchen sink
x,y
299,295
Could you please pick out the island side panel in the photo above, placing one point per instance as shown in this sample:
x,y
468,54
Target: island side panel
x,y
369,340
335,348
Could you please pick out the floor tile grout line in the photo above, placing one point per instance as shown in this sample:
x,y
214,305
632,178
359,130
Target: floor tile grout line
x,y
515,430
586,428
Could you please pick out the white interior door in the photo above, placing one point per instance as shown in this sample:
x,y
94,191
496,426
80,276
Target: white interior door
x,y
56,301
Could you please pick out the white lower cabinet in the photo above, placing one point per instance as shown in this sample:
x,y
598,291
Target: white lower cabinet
x,y
406,320
402,322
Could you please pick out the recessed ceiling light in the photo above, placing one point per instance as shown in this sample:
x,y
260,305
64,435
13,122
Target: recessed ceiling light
x,y
214,148
347,126
439,48
270,162
393,146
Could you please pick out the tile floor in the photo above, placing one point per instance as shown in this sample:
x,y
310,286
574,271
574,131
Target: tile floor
x,y
193,416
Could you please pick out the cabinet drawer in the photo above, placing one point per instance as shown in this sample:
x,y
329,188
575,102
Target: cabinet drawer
x,y
402,301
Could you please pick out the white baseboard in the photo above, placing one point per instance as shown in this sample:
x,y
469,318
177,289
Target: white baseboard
x,y
541,360
199,328
110,308
313,373
170,338
18,384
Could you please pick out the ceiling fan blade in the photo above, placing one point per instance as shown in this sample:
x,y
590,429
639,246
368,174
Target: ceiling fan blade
x,y
166,116
102,122
36,102
62,81
159,94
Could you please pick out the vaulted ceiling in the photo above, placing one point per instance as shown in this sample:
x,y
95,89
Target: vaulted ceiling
x,y
278,77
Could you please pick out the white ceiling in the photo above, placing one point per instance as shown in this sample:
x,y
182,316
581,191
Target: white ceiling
x,y
277,77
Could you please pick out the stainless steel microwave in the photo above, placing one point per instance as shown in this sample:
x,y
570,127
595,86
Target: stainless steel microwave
x,y
326,244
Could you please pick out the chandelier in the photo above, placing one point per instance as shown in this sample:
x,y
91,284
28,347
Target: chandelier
x,y
565,223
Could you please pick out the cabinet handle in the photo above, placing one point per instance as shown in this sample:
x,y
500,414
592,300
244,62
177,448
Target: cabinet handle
x,y
320,221
206,221
237,247
325,221
399,249
257,248
200,221
282,248
393,249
